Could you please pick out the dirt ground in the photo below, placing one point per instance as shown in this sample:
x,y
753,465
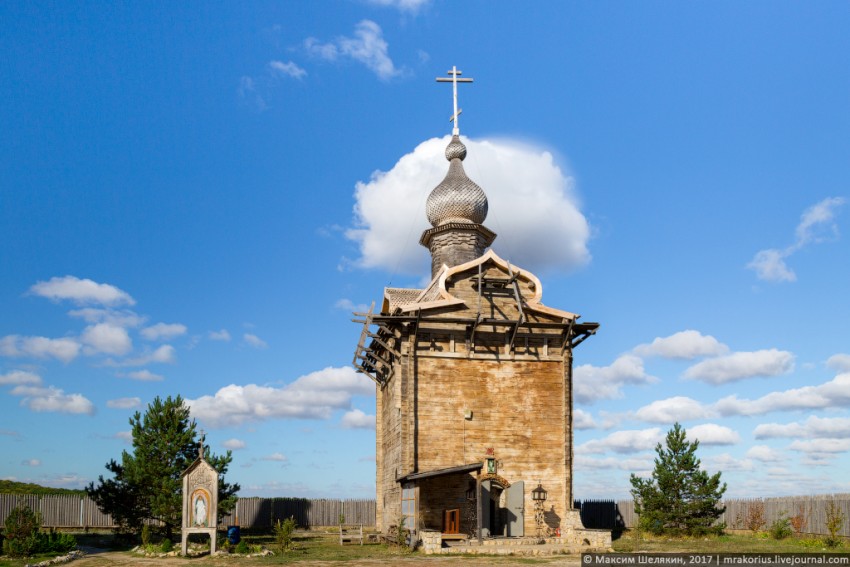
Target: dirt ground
x,y
102,558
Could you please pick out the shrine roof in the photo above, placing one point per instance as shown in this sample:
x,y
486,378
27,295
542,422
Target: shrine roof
x,y
442,472
195,464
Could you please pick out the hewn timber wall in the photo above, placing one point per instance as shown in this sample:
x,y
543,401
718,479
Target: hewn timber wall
x,y
74,512
611,514
517,409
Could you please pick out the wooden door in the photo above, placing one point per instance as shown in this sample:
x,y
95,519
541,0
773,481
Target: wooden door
x,y
515,509
451,521
484,508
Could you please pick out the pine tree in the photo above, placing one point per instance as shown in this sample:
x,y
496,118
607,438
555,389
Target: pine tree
x,y
146,485
680,498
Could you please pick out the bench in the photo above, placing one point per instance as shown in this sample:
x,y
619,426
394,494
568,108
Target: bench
x,y
350,534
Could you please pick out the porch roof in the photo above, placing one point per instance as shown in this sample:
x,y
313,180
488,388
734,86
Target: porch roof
x,y
441,472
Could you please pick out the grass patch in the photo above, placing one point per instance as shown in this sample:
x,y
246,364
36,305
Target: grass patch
x,y
307,546
631,541
20,562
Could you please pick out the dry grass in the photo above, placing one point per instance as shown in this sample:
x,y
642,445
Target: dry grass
x,y
632,541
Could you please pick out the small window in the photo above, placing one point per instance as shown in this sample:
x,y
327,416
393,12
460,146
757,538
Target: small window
x,y
408,505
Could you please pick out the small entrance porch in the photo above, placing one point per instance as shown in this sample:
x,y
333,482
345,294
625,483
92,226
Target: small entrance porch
x,y
462,505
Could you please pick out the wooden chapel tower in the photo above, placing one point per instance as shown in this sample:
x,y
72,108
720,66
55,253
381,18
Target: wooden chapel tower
x,y
473,381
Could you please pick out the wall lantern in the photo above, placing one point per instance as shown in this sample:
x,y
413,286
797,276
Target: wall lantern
x,y
539,494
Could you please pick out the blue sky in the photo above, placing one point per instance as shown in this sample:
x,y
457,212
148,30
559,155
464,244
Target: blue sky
x,y
194,196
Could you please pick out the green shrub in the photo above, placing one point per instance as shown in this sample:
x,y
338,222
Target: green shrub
x,y
166,546
242,547
781,528
146,534
56,543
283,534
834,523
21,532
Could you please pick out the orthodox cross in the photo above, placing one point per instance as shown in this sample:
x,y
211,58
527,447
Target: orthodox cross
x,y
203,436
454,80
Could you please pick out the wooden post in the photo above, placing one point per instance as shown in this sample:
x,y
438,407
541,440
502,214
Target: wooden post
x,y
478,505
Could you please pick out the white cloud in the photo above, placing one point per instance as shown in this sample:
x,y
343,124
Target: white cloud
x,y
144,376
625,441
357,419
163,354
163,331
817,224
348,305
81,291
288,69
410,6
725,462
19,378
713,434
835,394
124,403
106,338
31,463
741,365
234,444
583,420
531,201
765,454
68,480
221,335
51,399
769,265
63,349
254,341
672,410
368,47
823,447
839,362
640,465
688,344
277,457
593,383
313,396
118,317
814,427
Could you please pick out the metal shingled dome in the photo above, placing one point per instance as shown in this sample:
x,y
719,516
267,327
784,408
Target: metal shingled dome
x,y
457,198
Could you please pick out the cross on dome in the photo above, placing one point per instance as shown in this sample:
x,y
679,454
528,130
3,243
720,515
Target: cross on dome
x,y
454,79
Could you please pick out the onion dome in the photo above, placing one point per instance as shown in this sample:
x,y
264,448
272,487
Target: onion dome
x,y
457,198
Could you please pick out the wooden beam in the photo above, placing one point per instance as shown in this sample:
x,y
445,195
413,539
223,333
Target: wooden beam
x,y
472,335
371,356
362,370
378,340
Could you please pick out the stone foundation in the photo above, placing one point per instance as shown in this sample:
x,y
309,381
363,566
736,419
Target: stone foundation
x,y
572,541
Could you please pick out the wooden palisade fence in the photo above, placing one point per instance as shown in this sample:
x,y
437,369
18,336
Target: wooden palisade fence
x,y
619,514
74,512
